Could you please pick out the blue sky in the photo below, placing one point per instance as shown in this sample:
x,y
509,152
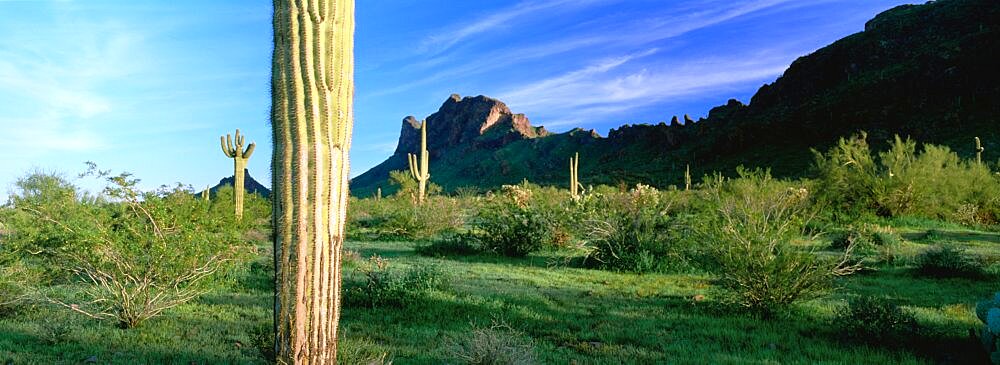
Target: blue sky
x,y
148,87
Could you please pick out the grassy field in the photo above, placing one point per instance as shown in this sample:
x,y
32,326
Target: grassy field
x,y
571,315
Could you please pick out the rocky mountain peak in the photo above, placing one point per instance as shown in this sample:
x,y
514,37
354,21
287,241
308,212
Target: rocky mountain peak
x,y
472,120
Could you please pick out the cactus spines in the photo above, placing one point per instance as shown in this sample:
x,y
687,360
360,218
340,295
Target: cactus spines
x,y
240,157
979,151
574,176
312,91
420,171
687,178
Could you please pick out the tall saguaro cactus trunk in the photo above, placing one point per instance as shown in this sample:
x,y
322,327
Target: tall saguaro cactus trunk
x,y
312,90
687,177
240,157
420,171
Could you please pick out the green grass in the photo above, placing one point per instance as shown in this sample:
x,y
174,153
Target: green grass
x,y
572,314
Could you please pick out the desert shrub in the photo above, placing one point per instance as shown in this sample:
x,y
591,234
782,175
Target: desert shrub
x,y
256,209
847,178
17,282
749,240
386,286
133,254
450,245
631,232
875,321
875,242
512,223
946,261
497,344
932,183
988,311
30,240
401,218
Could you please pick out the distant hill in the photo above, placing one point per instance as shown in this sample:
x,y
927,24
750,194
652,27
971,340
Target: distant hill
x,y
926,71
250,184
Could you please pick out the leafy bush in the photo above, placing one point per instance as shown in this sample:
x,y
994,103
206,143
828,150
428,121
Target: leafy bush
x,y
135,254
934,183
401,218
630,232
750,241
512,224
875,321
988,311
16,282
448,245
869,240
944,261
497,344
383,286
847,178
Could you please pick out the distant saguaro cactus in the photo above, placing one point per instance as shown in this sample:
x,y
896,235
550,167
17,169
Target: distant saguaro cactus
x,y
979,151
240,157
574,176
420,172
204,193
378,194
312,92
687,178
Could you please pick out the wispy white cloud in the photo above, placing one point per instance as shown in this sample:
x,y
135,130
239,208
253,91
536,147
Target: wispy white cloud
x,y
60,88
448,38
624,32
599,91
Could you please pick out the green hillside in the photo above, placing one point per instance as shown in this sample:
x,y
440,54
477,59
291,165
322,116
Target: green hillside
x,y
924,71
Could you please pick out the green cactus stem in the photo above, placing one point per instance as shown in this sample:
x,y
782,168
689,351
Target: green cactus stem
x,y
378,194
204,193
312,93
979,151
687,178
574,176
420,171
240,157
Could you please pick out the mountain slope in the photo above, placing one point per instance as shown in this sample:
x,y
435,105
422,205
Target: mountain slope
x,y
250,185
927,71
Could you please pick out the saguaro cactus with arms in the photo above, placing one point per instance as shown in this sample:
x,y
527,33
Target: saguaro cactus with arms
x,y
420,171
240,157
312,88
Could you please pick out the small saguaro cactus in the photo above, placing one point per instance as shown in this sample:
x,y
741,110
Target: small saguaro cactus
x,y
420,172
687,178
204,193
979,151
240,157
574,176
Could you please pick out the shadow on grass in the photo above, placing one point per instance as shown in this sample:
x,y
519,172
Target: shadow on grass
x,y
390,250
21,347
939,235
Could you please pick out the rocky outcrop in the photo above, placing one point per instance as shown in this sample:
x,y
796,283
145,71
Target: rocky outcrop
x,y
480,121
